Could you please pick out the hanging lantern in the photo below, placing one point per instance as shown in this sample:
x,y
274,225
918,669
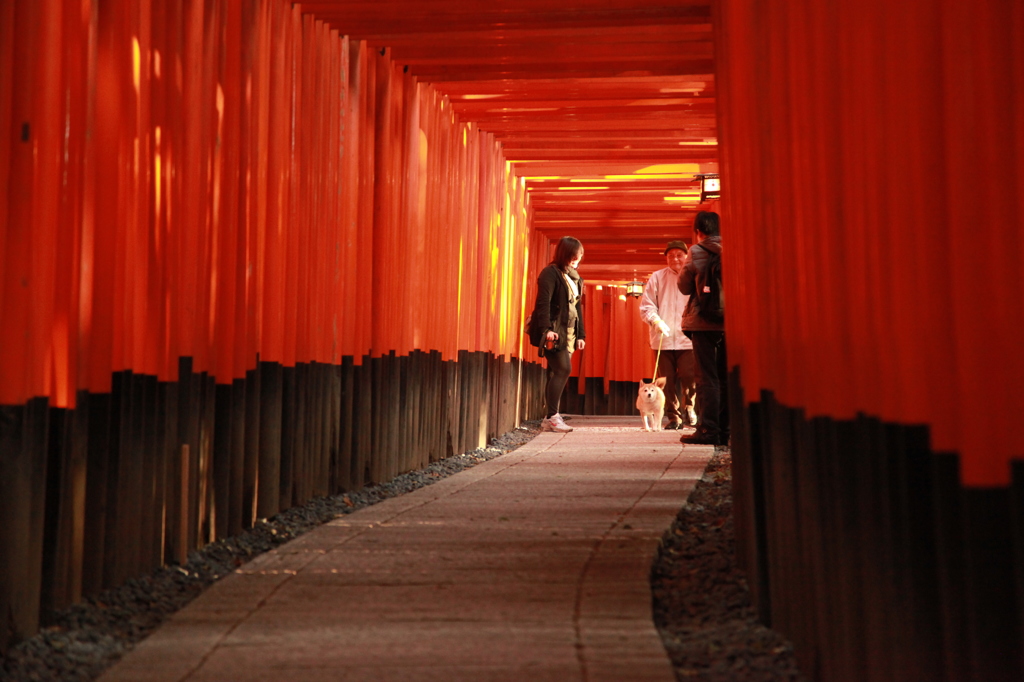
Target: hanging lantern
x,y
710,186
635,289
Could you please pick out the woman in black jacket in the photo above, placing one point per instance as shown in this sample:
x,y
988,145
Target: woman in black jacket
x,y
559,289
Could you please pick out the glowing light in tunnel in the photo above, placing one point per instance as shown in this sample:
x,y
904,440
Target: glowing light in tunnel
x,y
668,168
520,109
157,180
648,176
692,88
136,65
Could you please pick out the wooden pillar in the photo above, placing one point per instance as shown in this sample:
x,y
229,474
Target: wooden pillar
x,y
269,475
23,448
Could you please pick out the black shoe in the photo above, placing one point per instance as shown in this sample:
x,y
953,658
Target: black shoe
x,y
699,437
673,426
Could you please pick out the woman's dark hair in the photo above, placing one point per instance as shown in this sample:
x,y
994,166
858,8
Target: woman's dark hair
x,y
706,222
567,249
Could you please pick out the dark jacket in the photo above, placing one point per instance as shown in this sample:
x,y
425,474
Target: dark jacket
x,y
553,296
697,261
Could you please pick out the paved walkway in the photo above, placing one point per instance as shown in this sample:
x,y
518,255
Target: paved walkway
x,y
533,566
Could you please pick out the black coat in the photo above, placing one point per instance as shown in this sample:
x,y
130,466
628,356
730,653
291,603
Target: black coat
x,y
553,296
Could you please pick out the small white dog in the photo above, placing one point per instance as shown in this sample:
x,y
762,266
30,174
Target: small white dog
x,y
650,400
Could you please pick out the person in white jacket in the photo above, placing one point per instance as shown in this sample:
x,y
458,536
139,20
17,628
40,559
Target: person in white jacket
x,y
661,308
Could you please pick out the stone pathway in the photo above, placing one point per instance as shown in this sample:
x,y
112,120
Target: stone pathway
x,y
532,566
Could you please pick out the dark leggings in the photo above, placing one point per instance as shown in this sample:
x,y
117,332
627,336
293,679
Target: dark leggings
x,y
559,368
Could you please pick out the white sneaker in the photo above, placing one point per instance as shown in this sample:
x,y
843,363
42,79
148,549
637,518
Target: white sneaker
x,y
555,423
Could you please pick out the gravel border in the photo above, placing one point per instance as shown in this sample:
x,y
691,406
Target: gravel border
x,y
702,606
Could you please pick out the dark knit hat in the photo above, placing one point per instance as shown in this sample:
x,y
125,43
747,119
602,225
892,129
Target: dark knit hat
x,y
676,244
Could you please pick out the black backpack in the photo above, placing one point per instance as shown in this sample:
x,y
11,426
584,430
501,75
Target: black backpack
x,y
710,297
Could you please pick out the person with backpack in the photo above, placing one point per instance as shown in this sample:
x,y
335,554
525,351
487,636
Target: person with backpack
x,y
556,324
704,323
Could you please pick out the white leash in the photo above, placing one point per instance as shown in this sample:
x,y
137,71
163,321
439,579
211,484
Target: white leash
x,y
657,358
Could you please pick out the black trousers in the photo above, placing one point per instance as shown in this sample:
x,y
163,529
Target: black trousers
x,y
559,368
711,373
677,368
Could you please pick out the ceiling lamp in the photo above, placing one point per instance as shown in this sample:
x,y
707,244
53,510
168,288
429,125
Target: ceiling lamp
x,y
710,186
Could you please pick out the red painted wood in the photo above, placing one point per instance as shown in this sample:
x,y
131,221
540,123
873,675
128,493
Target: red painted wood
x,y
891,157
209,212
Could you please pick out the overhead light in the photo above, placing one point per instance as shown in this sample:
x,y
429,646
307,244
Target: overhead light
x,y
710,186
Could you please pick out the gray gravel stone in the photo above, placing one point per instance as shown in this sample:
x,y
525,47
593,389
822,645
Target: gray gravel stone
x,y
702,605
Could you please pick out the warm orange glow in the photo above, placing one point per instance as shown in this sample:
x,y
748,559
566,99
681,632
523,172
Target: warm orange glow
x,y
505,255
650,176
690,88
62,381
136,65
669,169
522,109
458,296
689,197
157,179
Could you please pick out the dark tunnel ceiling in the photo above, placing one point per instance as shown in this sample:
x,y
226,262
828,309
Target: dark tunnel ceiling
x,y
606,107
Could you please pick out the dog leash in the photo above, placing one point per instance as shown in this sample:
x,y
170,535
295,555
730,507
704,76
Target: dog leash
x,y
657,358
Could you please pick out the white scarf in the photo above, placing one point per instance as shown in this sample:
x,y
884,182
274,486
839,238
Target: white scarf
x,y
573,289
